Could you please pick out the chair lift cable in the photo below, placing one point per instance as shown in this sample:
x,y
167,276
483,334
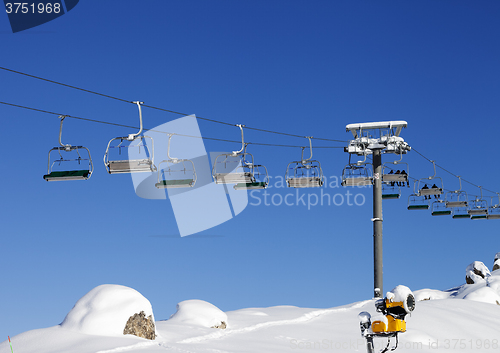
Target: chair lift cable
x,y
153,107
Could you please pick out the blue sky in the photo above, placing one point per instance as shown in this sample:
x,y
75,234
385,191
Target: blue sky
x,y
304,68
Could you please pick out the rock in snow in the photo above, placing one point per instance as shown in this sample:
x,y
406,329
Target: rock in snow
x,y
496,263
106,309
199,313
476,272
141,326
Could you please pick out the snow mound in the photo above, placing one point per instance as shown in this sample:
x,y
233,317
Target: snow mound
x,y
104,310
430,294
399,294
485,295
198,313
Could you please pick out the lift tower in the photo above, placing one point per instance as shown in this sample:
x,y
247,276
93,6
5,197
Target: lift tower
x,y
373,139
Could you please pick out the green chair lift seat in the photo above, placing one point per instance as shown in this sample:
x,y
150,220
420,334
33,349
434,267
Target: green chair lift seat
x,y
68,175
179,183
251,186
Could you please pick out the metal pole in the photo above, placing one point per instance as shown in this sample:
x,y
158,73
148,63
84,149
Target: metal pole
x,y
369,344
377,224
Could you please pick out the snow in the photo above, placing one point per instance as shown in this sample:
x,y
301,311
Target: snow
x,y
462,319
198,313
105,310
399,294
479,266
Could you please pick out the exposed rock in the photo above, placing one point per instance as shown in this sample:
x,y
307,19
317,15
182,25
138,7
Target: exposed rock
x,y
221,326
469,280
140,326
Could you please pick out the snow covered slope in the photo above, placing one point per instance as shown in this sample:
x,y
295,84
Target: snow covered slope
x,y
442,321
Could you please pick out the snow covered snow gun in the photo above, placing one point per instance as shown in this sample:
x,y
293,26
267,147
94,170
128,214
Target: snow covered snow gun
x,y
393,308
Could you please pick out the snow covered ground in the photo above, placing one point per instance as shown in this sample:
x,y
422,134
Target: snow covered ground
x,y
464,319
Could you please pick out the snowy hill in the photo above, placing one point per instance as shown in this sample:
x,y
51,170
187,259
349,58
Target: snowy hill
x,y
464,319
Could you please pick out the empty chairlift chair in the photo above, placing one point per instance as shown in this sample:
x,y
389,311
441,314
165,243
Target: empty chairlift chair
x,y
457,198
439,208
177,173
416,201
494,209
259,180
70,165
478,208
357,174
306,173
239,168
457,202
142,161
390,191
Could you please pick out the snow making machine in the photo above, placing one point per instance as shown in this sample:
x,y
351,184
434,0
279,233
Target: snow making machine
x,y
391,321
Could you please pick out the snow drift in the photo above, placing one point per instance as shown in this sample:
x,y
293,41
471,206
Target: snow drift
x,y
199,313
105,310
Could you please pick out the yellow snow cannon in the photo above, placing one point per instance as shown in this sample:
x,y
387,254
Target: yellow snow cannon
x,y
394,307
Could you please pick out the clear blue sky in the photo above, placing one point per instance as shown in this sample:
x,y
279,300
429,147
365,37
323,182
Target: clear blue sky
x,y
301,67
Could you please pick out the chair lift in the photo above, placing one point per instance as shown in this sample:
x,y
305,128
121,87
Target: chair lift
x,y
145,164
427,192
390,190
494,210
306,173
58,175
457,198
478,208
167,181
458,202
417,201
460,213
439,208
242,171
260,179
399,177
357,174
